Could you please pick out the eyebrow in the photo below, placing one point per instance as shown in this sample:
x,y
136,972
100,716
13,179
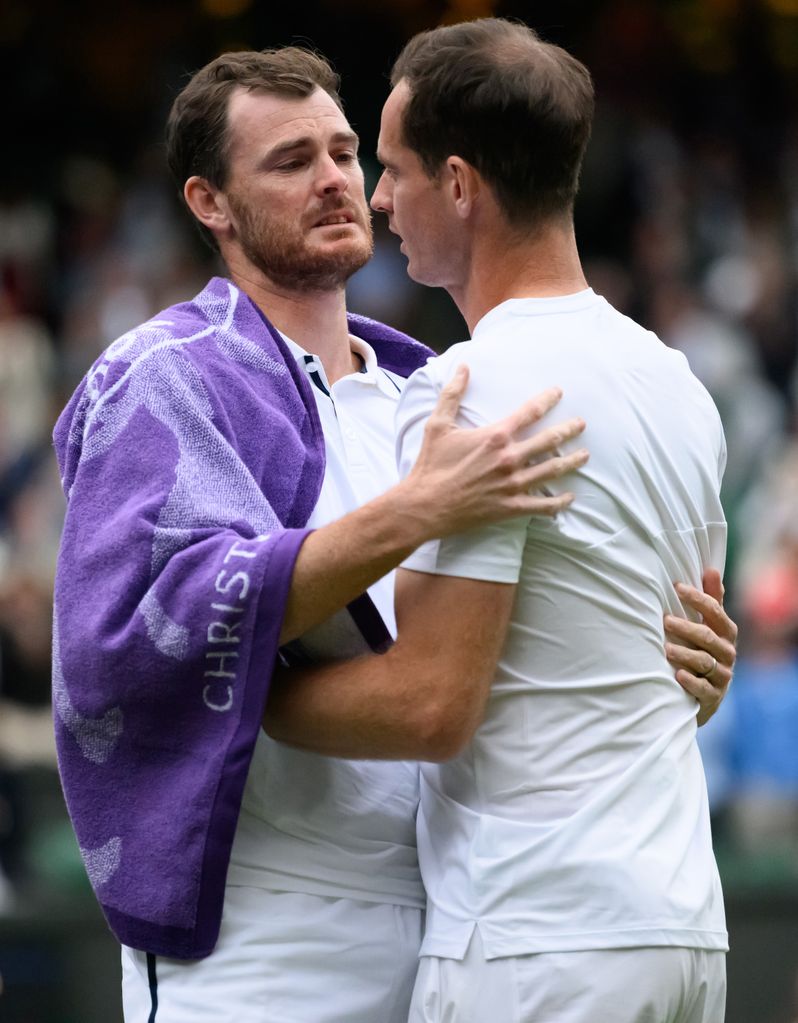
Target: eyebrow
x,y
345,137
384,163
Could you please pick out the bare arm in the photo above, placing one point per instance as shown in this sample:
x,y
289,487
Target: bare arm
x,y
693,646
462,478
423,699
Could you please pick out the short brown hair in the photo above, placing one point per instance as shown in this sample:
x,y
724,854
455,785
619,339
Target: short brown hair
x,y
196,130
518,109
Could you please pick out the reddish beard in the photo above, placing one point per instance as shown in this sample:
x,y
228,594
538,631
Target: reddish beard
x,y
280,248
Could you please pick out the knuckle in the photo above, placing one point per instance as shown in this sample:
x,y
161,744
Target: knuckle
x,y
689,682
570,429
499,438
505,465
551,438
559,433
551,468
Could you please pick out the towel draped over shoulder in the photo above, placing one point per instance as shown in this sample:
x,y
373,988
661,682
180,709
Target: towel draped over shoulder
x,y
191,457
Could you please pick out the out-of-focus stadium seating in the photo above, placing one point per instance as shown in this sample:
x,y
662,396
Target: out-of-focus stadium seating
x,y
688,220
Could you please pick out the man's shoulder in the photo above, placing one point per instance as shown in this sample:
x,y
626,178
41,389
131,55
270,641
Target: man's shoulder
x,y
441,365
395,351
211,343
216,335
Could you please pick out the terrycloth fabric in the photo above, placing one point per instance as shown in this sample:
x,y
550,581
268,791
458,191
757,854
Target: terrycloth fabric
x,y
191,457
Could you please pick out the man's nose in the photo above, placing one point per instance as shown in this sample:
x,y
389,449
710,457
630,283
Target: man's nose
x,y
380,196
332,177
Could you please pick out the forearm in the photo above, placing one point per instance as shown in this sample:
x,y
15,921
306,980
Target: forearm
x,y
360,709
339,561
423,699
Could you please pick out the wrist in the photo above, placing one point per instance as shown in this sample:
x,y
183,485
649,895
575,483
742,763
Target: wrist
x,y
406,516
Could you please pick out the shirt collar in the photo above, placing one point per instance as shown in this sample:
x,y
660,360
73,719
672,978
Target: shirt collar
x,y
369,373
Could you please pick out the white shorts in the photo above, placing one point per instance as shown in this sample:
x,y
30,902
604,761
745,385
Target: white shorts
x,y
634,985
284,957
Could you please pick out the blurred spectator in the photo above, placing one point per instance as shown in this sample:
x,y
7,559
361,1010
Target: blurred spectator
x,y
749,749
130,252
767,516
30,517
688,218
30,500
27,236
722,354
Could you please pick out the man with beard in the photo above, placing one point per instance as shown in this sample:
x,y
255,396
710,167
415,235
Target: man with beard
x,y
232,493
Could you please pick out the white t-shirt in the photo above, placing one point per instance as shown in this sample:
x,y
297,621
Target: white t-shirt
x,y
577,818
317,824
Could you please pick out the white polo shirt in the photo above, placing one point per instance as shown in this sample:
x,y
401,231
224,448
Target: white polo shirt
x,y
577,818
311,823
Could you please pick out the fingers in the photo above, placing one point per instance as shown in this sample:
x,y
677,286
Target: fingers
x,y
698,643
709,694
525,487
538,473
543,504
550,439
528,480
716,633
691,666
532,411
703,653
713,584
700,662
710,609
498,476
451,395
525,415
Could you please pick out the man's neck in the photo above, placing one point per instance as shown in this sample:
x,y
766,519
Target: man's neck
x,y
544,266
315,320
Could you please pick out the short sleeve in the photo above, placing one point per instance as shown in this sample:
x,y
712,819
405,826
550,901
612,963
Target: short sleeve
x,y
492,553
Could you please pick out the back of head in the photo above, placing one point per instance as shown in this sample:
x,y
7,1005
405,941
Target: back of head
x,y
516,108
196,131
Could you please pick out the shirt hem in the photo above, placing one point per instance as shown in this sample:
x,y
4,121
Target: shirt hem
x,y
506,947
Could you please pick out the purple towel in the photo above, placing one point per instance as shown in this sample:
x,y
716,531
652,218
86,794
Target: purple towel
x,y
191,456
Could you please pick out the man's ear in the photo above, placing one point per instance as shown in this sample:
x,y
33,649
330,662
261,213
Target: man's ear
x,y
465,184
207,204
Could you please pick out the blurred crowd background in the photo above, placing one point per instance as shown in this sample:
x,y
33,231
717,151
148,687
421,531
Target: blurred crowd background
x,y
687,220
